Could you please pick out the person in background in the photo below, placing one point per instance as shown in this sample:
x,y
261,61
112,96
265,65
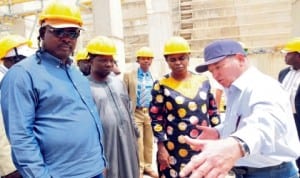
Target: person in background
x,y
13,49
115,70
258,137
49,114
113,103
138,84
181,101
219,96
81,58
290,79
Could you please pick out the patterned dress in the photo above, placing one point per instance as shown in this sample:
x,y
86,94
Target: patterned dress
x,y
176,108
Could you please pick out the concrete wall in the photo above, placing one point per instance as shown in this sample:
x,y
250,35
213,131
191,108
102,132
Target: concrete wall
x,y
295,18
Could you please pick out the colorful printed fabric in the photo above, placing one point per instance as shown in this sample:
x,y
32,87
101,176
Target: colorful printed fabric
x,y
176,108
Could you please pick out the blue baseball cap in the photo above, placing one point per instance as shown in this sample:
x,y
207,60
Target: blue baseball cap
x,y
217,51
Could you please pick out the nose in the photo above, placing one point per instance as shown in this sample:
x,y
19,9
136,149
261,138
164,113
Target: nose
x,y
109,64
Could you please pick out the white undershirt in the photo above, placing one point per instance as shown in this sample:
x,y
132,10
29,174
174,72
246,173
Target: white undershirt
x,y
291,83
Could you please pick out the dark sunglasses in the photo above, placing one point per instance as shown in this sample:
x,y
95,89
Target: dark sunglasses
x,y
62,32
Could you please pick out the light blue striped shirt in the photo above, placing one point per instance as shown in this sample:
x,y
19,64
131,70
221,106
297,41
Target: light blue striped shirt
x,y
144,82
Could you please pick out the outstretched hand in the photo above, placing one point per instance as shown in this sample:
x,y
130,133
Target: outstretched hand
x,y
216,159
207,132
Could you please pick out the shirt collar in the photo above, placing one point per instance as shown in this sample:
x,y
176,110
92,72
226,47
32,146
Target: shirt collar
x,y
241,82
142,73
44,55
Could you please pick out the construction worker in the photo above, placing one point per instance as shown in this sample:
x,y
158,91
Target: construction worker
x,y
138,84
116,71
290,79
111,97
81,58
13,48
51,118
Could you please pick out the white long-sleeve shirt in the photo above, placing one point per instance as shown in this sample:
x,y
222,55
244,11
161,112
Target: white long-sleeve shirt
x,y
259,112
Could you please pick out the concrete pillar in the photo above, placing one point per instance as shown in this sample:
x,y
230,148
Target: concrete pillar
x,y
160,26
295,18
108,22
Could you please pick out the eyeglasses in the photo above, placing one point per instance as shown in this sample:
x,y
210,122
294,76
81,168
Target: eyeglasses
x,y
62,32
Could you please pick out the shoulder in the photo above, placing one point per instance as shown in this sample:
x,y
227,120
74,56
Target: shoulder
x,y
130,73
200,77
283,72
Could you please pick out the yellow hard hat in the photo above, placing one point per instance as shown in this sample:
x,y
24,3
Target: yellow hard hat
x,y
101,45
176,45
292,46
144,52
60,15
81,55
9,42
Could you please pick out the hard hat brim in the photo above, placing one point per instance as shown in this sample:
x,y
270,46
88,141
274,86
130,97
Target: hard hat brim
x,y
22,50
61,24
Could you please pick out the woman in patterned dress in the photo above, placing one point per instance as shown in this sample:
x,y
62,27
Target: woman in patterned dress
x,y
181,100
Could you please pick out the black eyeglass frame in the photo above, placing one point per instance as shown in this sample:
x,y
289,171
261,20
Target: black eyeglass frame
x,y
61,32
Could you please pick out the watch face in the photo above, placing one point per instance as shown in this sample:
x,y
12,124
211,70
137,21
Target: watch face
x,y
244,147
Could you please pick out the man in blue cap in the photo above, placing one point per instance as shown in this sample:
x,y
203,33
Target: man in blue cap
x,y
258,137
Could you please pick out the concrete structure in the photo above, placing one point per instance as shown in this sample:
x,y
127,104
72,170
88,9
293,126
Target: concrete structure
x,y
263,25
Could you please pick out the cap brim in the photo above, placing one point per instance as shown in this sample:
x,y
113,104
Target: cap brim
x,y
204,67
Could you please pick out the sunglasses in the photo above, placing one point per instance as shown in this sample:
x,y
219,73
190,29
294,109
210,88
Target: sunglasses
x,y
72,33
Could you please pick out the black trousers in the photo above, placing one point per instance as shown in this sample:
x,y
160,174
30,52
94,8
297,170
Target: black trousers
x,y
15,174
297,122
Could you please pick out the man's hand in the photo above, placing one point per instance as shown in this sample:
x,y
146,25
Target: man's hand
x,y
207,132
215,160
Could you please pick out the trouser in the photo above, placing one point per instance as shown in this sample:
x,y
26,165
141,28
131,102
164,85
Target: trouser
x,y
145,141
284,170
14,174
297,122
99,176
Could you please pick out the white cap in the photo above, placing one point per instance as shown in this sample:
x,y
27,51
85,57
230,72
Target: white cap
x,y
21,50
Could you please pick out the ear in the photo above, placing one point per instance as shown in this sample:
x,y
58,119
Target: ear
x,y
241,57
42,31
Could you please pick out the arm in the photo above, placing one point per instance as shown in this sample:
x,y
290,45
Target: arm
x,y
18,109
126,81
216,159
219,94
131,111
156,112
213,114
6,164
158,118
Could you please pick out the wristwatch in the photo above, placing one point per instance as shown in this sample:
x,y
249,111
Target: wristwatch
x,y
243,145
